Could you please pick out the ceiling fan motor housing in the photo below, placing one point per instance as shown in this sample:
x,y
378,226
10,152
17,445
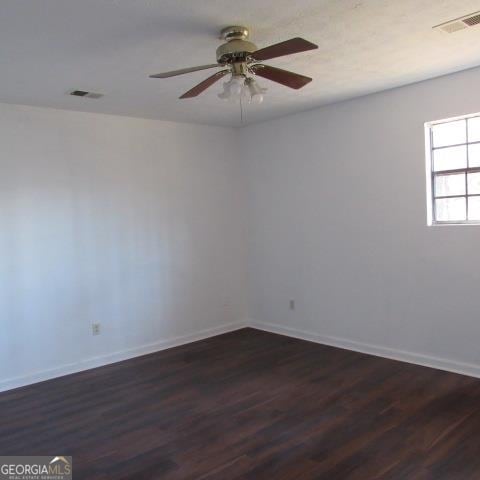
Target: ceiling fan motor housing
x,y
237,48
235,51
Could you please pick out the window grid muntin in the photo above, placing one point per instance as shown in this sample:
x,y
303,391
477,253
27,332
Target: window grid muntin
x,y
465,171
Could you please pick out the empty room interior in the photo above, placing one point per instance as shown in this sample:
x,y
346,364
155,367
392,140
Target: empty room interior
x,y
240,241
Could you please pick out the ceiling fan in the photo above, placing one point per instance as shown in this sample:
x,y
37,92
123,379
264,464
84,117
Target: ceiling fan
x,y
241,58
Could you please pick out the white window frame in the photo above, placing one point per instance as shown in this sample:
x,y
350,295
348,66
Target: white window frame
x,y
430,173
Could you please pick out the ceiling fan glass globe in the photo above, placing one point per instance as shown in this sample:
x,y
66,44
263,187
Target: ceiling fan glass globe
x,y
234,90
236,85
255,90
225,94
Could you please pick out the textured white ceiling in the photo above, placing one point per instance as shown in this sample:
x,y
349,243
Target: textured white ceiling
x,y
48,47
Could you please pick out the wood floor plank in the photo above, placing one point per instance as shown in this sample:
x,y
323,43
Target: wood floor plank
x,y
251,405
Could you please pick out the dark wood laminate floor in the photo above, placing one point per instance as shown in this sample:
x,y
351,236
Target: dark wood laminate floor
x,y
252,405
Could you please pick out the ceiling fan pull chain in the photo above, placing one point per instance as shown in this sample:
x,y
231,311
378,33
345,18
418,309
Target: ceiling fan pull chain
x,y
241,111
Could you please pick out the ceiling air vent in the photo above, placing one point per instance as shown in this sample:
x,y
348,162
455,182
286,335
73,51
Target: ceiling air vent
x,y
459,23
473,20
83,93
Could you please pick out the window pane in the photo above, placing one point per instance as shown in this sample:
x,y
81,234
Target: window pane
x,y
446,185
450,158
474,155
450,209
450,133
474,129
473,183
474,208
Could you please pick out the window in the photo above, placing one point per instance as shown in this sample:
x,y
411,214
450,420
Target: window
x,y
453,170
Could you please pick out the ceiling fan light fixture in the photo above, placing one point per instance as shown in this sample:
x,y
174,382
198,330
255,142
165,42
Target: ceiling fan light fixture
x,y
240,87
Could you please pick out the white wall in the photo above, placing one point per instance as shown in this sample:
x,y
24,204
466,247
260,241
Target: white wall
x,y
132,223
139,225
338,222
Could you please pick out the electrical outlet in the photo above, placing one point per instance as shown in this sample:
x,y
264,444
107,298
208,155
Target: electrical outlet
x,y
95,329
292,304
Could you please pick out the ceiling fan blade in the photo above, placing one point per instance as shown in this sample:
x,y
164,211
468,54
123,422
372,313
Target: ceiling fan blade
x,y
289,79
294,45
198,89
182,71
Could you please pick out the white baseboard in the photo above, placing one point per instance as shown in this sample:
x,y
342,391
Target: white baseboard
x,y
99,361
394,354
469,369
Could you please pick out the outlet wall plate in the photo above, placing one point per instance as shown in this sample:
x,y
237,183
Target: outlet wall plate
x,y
95,329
